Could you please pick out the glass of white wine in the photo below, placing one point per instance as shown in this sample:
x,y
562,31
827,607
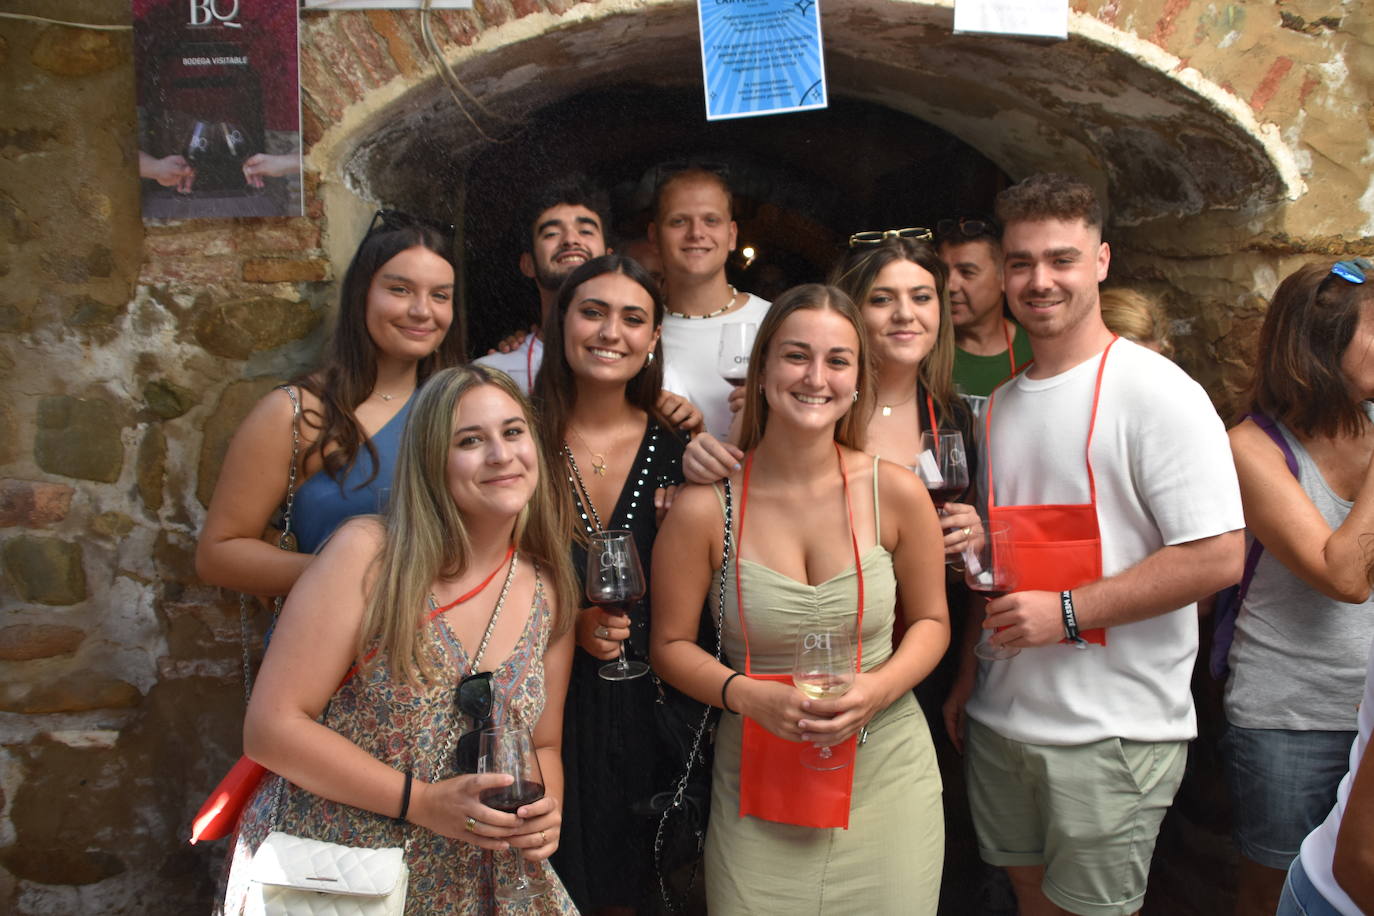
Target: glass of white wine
x,y
822,670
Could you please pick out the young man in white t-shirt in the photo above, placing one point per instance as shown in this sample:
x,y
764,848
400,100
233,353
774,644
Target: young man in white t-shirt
x,y
1075,752
695,233
564,229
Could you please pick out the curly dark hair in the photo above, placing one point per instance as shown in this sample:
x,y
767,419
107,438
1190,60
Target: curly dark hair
x,y
1049,195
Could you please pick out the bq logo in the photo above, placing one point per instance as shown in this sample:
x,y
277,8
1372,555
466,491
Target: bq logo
x,y
816,641
206,12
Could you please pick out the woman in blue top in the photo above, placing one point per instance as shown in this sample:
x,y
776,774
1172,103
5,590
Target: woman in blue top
x,y
396,308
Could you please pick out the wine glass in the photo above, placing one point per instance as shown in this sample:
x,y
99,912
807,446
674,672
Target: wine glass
x,y
736,343
615,581
990,569
823,669
943,465
509,749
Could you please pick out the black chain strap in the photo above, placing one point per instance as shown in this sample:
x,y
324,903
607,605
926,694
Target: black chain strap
x,y
678,801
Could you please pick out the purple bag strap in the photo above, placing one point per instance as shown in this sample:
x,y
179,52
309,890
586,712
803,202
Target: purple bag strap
x,y
1271,429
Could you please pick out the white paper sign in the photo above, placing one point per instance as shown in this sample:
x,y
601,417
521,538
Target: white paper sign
x,y
1038,18
386,4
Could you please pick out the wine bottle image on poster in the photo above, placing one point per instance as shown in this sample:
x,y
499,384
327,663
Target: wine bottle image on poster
x,y
219,133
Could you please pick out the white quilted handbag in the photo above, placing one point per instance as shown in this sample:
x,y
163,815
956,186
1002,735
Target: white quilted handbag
x,y
294,876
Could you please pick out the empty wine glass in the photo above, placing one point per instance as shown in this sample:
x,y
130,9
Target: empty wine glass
x,y
990,569
615,581
509,749
736,343
823,669
943,465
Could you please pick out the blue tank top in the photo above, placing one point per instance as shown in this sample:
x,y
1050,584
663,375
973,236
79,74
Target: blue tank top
x,y
322,505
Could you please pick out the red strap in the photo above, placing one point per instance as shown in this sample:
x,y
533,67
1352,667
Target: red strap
x,y
934,426
1087,449
466,596
854,539
1011,354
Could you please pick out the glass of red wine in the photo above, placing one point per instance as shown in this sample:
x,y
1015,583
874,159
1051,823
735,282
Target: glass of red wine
x,y
509,749
615,581
990,570
943,465
736,343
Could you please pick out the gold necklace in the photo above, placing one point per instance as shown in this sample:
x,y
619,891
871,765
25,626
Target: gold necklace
x,y
887,408
598,458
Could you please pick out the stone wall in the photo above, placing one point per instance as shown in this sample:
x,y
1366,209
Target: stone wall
x,y
129,353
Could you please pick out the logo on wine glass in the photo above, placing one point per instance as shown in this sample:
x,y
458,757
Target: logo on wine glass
x,y
812,641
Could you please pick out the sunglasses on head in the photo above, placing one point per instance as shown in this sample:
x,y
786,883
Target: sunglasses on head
x,y
473,699
391,220
1352,271
969,227
878,236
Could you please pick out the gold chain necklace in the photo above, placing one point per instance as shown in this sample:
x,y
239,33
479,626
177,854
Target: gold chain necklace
x,y
887,408
598,458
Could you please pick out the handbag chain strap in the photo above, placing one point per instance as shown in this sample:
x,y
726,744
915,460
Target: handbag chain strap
x,y
681,791
284,542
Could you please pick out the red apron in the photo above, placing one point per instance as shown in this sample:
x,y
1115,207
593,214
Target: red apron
x,y
1057,547
774,784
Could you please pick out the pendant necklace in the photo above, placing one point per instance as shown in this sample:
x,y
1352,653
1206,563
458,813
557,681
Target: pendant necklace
x,y
598,459
887,408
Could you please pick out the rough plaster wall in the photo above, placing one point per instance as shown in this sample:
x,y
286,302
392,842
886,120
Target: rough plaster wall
x,y
129,353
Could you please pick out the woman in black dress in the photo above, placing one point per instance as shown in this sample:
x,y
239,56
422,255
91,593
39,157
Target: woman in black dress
x,y
596,392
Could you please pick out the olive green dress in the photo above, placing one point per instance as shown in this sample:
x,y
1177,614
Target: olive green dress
x,y
890,858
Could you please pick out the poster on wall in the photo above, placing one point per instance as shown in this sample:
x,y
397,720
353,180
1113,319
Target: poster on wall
x,y
761,57
219,119
1030,18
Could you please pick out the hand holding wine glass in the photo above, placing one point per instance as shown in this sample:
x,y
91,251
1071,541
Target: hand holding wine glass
x,y
990,569
509,749
615,582
823,669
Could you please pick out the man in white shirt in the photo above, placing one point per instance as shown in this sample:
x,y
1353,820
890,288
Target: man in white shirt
x,y
695,233
1075,749
566,229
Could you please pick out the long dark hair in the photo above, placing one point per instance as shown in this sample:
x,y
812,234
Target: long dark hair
x,y
1306,331
856,273
349,372
555,388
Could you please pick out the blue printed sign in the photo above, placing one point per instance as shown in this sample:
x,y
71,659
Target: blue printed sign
x,y
761,57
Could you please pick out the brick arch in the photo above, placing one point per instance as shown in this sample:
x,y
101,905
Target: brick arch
x,y
1159,138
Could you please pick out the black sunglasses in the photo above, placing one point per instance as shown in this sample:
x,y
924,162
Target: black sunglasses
x,y
390,220
473,699
969,227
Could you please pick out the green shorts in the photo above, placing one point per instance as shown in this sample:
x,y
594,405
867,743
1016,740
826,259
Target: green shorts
x,y
1088,813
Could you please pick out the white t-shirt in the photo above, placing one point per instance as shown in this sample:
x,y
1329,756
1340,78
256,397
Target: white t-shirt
x,y
520,364
1319,849
1164,476
690,347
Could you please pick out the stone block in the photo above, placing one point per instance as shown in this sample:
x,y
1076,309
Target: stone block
x,y
77,52
167,399
152,468
24,642
73,691
33,504
85,312
45,570
402,50
9,434
238,329
285,270
112,524
79,438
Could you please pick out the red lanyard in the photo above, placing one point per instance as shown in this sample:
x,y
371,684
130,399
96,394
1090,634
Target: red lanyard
x,y
854,539
466,596
1011,354
529,365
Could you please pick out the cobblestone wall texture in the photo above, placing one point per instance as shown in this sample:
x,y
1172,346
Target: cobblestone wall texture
x,y
128,352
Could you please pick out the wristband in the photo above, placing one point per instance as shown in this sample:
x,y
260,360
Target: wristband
x,y
724,705
405,798
1070,621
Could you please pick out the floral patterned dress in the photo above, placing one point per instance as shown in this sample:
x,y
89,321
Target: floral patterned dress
x,y
410,728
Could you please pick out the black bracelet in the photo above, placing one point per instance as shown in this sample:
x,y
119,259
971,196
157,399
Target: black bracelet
x,y
405,798
1070,620
724,705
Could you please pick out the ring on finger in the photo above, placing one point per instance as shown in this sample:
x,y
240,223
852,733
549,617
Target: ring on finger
x,y
471,824
602,632
543,840
968,531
